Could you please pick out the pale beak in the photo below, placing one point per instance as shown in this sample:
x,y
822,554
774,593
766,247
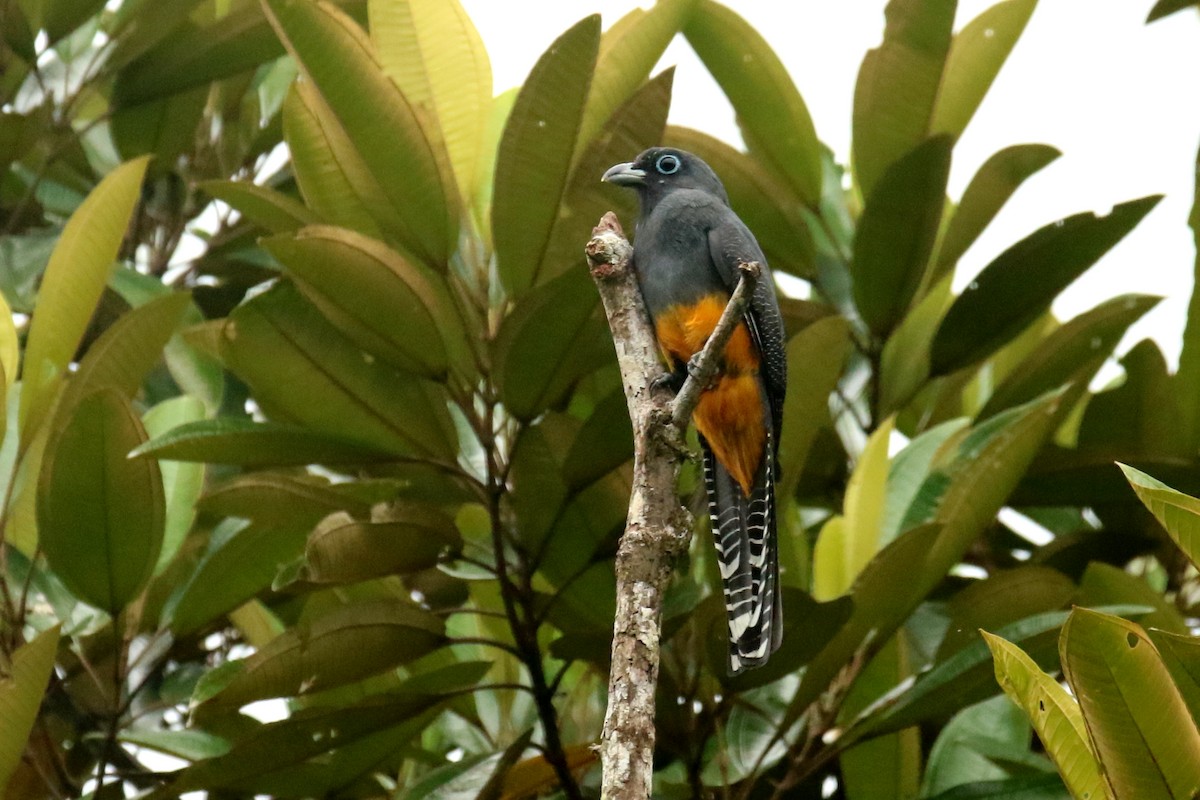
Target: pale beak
x,y
625,175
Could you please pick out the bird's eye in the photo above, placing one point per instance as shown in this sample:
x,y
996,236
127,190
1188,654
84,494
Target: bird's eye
x,y
667,165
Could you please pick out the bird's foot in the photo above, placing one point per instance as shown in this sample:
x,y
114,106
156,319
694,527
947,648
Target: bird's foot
x,y
669,380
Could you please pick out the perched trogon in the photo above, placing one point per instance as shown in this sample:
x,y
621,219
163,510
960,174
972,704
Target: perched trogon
x,y
686,252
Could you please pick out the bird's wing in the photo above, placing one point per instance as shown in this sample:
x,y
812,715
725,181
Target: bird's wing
x,y
730,243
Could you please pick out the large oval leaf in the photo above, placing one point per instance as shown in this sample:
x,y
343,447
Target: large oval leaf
x,y
72,283
551,339
331,175
534,158
182,483
230,440
447,71
628,51
274,211
401,540
101,513
1177,512
976,55
394,308
1136,719
384,127
897,86
1071,354
312,656
1019,285
302,370
770,110
896,233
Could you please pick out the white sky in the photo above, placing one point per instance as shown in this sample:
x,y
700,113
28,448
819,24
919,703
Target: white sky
x,y
1116,96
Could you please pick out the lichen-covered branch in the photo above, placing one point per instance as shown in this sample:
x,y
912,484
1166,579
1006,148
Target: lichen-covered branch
x,y
657,529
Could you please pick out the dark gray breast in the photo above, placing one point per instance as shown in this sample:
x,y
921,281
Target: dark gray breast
x,y
671,250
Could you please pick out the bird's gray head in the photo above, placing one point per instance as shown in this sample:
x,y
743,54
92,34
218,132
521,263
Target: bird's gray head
x,y
661,170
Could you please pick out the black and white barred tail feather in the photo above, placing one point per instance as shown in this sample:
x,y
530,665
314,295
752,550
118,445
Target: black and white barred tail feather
x,y
744,530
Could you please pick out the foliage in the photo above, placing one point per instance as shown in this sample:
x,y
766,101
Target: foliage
x,y
358,447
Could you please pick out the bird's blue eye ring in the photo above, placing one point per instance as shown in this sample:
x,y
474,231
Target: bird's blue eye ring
x,y
667,165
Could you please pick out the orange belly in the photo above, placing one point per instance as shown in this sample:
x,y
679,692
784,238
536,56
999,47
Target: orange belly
x,y
730,413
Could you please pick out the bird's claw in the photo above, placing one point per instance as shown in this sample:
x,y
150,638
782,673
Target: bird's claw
x,y
669,380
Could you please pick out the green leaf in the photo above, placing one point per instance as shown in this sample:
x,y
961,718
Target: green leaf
x,y
1165,8
990,188
101,513
272,210
1070,355
887,767
628,51
229,440
770,110
1003,598
164,128
1026,787
536,150
242,561
552,338
384,127
1055,716
311,656
196,54
60,17
125,353
1187,379
1177,512
635,126
884,594
72,285
447,72
189,744
1181,654
896,233
976,55
818,352
405,539
302,370
1103,584
476,778
1137,721
897,87
394,308
22,690
755,196
604,443
298,746
906,362
182,483
847,544
966,677
1019,285
982,741
910,468
331,175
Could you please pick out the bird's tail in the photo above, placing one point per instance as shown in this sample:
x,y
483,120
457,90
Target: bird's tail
x,y
744,529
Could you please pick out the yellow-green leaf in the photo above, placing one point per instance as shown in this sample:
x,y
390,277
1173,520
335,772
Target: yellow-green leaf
x,y
1138,723
628,51
101,513
182,482
1177,512
394,308
1055,716
976,55
335,54
71,286
331,175
431,49
536,150
21,693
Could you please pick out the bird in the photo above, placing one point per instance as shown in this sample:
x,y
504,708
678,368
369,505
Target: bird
x,y
688,244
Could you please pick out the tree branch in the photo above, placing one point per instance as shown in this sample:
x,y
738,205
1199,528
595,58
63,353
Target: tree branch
x,y
658,528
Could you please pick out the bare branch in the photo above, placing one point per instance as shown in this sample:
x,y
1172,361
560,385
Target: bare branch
x,y
705,365
656,532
